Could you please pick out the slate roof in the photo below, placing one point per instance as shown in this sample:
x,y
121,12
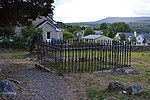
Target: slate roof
x,y
127,34
59,25
39,22
92,37
145,36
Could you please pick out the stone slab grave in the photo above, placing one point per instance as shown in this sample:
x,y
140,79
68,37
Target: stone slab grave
x,y
7,89
115,85
135,88
123,70
132,89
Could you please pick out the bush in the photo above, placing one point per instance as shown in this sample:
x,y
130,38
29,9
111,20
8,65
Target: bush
x,y
14,45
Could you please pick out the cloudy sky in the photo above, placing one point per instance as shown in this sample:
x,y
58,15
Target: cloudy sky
x,y
93,10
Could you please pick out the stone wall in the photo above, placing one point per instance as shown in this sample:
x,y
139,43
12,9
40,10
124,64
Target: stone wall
x,y
140,48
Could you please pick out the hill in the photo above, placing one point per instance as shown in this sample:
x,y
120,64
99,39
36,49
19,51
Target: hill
x,y
123,19
139,24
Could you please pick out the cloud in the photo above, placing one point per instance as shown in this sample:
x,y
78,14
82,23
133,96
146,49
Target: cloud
x,y
142,11
87,10
60,2
142,8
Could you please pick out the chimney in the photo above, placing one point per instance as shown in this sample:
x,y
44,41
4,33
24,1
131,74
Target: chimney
x,y
135,35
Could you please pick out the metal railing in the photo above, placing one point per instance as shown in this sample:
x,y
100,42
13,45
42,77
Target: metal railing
x,y
83,55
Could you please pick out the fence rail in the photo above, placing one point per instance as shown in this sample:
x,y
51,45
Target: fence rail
x,y
84,56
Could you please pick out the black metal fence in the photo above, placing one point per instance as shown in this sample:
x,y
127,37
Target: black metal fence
x,y
83,56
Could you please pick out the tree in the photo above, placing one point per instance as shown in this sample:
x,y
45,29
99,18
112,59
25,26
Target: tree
x,y
22,12
106,30
77,28
111,34
122,37
73,29
133,40
120,27
67,35
104,26
83,28
89,31
31,35
7,33
69,28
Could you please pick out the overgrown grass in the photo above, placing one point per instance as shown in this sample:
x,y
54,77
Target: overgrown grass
x,y
14,54
95,85
141,75
116,95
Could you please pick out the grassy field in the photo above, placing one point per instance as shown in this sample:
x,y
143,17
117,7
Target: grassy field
x,y
93,86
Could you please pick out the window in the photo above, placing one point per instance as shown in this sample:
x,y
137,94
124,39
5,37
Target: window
x,y
48,35
139,38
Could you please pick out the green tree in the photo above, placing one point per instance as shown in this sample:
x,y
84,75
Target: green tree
x,y
119,27
22,12
106,30
122,37
31,35
111,34
89,31
82,28
77,28
104,26
7,33
73,29
67,35
133,40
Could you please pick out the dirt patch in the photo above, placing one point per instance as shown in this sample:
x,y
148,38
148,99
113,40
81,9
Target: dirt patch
x,y
35,84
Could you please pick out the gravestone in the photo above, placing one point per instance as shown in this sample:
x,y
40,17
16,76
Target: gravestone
x,y
115,85
123,70
7,88
135,88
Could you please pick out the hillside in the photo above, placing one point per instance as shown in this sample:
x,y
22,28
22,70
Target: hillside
x,y
139,24
117,19
123,19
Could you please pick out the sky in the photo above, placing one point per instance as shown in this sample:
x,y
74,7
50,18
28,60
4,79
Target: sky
x,y
68,11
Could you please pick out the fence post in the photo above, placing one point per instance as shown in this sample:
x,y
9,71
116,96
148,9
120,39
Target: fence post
x,y
130,53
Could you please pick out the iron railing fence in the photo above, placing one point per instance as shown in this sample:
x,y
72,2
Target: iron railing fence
x,y
83,55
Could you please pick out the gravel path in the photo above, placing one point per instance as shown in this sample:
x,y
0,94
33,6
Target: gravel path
x,y
35,84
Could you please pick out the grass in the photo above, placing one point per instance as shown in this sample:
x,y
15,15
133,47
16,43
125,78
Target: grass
x,y
114,95
14,54
140,60
95,85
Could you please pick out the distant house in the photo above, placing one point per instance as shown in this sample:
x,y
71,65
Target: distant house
x,y
97,38
79,34
98,32
128,35
52,30
143,39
